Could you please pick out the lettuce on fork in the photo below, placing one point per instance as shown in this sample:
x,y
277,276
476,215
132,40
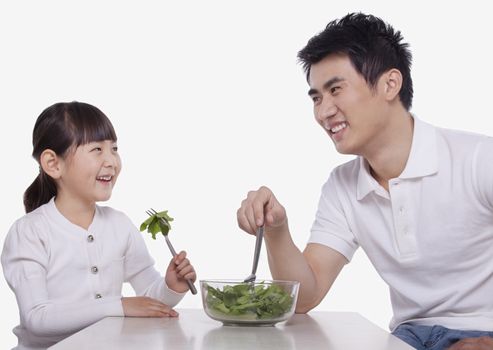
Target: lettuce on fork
x,y
157,223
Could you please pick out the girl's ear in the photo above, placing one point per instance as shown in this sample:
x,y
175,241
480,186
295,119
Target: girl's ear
x,y
51,163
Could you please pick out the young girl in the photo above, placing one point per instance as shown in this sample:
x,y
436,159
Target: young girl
x,y
66,260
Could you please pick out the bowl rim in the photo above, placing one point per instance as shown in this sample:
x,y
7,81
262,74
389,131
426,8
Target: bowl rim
x,y
258,281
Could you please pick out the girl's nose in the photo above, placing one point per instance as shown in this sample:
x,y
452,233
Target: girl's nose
x,y
111,159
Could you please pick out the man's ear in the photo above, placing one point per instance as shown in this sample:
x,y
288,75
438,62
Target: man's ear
x,y
51,163
392,80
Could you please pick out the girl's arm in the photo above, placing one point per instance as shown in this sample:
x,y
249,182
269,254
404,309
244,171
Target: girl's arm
x,y
144,278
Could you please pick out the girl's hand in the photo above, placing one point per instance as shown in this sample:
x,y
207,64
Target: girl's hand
x,y
179,270
146,307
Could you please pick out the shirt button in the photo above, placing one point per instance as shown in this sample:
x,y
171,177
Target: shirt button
x,y
94,269
98,296
90,238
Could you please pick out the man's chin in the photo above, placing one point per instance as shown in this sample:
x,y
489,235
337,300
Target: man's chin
x,y
343,149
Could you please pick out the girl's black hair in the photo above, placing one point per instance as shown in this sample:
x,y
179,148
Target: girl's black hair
x,y
373,47
59,128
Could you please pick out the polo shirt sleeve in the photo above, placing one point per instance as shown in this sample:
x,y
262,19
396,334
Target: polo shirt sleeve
x,y
483,170
25,261
140,272
330,227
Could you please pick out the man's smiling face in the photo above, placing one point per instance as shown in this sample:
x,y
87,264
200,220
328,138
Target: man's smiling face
x,y
348,109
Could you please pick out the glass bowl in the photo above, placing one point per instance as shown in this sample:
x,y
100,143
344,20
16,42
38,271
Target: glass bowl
x,y
260,303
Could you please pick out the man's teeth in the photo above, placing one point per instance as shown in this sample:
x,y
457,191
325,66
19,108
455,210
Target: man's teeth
x,y
104,178
338,128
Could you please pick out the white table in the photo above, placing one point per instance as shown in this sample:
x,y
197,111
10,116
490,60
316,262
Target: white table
x,y
194,330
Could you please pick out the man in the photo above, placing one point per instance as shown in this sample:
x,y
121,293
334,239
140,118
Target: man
x,y
418,199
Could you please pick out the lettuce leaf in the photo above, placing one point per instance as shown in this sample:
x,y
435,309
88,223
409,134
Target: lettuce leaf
x,y
262,301
157,223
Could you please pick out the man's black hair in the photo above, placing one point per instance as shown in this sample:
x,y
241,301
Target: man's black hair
x,y
372,46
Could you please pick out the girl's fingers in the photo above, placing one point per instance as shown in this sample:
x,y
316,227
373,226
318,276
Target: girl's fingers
x,y
163,310
183,264
178,259
190,276
146,307
182,255
185,270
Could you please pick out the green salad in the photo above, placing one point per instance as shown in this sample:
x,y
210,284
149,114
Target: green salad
x,y
157,223
262,301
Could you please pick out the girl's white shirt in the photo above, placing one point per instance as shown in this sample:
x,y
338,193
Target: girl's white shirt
x,y
66,278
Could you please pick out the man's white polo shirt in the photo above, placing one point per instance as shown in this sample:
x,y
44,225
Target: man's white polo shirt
x,y
430,237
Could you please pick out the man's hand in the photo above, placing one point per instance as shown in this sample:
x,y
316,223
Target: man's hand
x,y
179,270
315,269
481,343
261,208
146,307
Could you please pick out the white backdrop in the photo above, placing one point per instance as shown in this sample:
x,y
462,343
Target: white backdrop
x,y
208,102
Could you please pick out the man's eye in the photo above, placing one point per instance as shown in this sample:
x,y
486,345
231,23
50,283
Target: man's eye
x,y
315,99
334,89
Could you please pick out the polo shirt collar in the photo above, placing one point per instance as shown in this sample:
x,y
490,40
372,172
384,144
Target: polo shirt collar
x,y
422,161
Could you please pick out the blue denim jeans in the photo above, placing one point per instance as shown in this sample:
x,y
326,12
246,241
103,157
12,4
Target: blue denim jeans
x,y
433,337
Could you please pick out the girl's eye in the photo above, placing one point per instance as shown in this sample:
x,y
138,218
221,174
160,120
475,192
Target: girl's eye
x,y
97,149
115,148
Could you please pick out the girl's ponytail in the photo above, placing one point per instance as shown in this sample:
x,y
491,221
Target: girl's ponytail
x,y
39,192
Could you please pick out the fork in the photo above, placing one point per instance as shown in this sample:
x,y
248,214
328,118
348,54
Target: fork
x,y
152,212
256,254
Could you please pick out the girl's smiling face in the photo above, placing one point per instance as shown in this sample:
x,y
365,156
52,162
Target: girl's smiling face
x,y
89,172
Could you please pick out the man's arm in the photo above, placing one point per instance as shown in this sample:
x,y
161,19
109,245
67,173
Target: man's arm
x,y
316,268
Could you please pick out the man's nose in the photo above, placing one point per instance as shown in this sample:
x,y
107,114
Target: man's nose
x,y
327,109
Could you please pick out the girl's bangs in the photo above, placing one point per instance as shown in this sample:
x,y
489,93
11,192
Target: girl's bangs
x,y
90,125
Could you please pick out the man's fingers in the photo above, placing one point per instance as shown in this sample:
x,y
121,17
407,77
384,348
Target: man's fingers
x,y
250,215
243,221
275,216
258,209
481,343
269,218
258,212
